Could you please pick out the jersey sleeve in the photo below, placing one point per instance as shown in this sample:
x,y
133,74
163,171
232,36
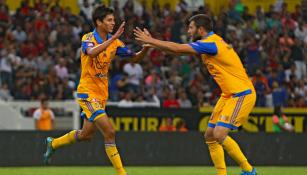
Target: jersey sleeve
x,y
37,114
52,114
123,51
86,42
204,47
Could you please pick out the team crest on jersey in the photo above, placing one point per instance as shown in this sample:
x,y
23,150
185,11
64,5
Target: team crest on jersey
x,y
88,37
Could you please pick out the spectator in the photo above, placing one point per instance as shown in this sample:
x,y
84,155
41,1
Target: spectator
x,y
167,126
281,121
298,56
126,102
300,31
6,68
5,93
279,95
171,101
19,34
181,126
135,73
264,40
61,69
261,87
44,117
183,100
86,9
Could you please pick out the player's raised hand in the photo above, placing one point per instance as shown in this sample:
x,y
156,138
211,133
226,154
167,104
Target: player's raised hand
x,y
142,36
120,30
147,32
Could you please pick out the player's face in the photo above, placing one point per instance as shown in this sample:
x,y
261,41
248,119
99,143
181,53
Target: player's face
x,y
108,23
193,32
45,105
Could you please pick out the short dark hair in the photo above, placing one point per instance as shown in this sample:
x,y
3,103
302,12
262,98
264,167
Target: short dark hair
x,y
202,20
100,12
44,99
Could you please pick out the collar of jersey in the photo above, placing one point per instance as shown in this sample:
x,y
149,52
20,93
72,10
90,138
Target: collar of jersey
x,y
98,38
209,34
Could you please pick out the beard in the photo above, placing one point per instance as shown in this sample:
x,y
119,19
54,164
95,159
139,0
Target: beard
x,y
196,38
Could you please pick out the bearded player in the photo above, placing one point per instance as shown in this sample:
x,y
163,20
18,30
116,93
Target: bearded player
x,y
238,94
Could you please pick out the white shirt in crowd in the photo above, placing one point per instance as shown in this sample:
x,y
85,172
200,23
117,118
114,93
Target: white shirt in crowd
x,y
300,34
125,103
86,10
61,71
135,73
5,63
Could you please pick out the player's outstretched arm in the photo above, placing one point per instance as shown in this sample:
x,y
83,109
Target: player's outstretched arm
x,y
94,51
140,55
163,45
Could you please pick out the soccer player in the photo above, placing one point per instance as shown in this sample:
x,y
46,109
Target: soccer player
x,y
98,49
238,94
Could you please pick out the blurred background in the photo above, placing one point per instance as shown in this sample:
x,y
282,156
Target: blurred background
x,y
164,97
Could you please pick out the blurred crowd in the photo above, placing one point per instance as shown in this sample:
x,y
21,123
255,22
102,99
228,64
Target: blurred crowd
x,y
40,53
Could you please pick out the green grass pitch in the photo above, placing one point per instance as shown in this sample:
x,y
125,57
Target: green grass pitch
x,y
145,171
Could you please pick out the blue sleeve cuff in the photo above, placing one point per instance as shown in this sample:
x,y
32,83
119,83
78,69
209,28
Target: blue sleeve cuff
x,y
86,45
124,52
204,47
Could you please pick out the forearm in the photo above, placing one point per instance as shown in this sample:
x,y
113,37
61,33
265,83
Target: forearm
x,y
93,52
139,55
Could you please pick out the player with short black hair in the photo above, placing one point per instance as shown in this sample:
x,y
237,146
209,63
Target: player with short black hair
x,y
99,48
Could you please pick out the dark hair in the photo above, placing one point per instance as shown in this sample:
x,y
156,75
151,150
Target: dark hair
x,y
44,99
100,12
202,20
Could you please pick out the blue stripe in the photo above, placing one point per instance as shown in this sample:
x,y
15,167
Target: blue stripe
x,y
95,114
211,125
204,47
246,92
226,125
83,96
210,33
98,38
84,46
124,52
83,115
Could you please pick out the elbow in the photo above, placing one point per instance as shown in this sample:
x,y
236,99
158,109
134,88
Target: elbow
x,y
91,54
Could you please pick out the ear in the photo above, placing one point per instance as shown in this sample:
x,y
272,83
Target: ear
x,y
201,31
98,22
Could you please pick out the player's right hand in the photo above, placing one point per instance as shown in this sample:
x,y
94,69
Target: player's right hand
x,y
119,31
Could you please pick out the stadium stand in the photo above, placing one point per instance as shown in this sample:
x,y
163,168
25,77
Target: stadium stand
x,y
40,53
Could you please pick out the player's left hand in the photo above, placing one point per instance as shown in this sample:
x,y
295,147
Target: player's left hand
x,y
142,36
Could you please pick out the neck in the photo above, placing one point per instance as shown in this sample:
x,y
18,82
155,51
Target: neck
x,y
102,33
204,35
